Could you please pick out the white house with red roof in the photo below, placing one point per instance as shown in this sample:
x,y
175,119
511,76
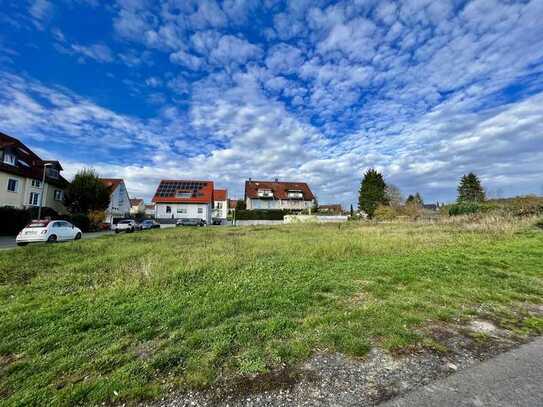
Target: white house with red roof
x,y
119,201
178,199
295,196
220,204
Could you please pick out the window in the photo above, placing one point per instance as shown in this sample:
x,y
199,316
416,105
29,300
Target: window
x,y
168,209
34,198
219,205
181,210
13,185
59,195
200,210
9,158
52,172
36,183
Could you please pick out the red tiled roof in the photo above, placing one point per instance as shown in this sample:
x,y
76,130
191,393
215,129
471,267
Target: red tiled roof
x,y
279,189
193,191
111,183
136,201
36,164
220,194
332,207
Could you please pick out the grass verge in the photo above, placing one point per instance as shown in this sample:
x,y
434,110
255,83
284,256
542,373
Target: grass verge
x,y
124,318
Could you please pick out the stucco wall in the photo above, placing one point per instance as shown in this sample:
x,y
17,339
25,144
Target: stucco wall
x,y
190,208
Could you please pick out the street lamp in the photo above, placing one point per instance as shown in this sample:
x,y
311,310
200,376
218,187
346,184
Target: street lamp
x,y
42,188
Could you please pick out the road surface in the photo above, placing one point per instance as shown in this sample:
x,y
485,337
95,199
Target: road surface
x,y
512,379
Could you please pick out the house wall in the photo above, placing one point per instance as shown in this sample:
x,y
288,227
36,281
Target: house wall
x,y
191,211
7,198
220,209
134,210
119,205
20,199
278,204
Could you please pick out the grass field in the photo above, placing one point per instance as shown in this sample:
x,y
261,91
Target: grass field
x,y
122,318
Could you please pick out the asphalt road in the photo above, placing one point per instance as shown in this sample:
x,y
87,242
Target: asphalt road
x,y
513,379
8,242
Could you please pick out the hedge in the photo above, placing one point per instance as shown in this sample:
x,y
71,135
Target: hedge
x,y
13,220
261,214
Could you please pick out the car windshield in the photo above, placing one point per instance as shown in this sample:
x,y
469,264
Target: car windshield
x,y
38,224
125,221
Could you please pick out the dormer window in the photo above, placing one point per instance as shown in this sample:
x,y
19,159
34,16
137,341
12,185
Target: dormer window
x,y
52,172
265,193
295,194
9,158
183,194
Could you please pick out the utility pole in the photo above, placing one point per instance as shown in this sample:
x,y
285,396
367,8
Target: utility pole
x,y
42,188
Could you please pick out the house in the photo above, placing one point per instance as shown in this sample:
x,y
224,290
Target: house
x,y
334,209
149,211
119,201
22,175
137,207
220,204
294,196
176,199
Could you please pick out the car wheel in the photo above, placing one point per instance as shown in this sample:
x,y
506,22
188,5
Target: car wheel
x,y
117,231
78,236
22,244
52,239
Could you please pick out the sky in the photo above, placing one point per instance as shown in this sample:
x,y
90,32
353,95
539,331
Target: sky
x,y
317,91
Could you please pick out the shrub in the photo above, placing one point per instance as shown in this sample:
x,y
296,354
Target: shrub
x,y
464,208
14,219
83,222
385,213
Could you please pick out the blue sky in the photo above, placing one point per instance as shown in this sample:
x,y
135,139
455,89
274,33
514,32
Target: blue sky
x,y
319,91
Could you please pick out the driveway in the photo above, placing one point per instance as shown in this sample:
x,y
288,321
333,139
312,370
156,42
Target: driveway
x,y
8,242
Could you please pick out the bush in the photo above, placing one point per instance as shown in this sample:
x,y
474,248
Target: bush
x,y
82,221
385,213
464,208
14,219
261,214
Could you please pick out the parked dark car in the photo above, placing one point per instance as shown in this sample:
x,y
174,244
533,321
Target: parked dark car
x,y
148,224
190,222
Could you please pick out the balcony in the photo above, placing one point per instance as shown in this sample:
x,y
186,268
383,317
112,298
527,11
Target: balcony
x,y
297,195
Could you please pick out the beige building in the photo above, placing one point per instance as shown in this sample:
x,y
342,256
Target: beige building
x,y
21,178
295,196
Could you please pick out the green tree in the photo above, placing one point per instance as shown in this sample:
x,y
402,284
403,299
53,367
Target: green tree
x,y
372,192
415,200
240,205
470,189
86,193
352,211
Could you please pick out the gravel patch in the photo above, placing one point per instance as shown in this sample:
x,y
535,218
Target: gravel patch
x,y
331,379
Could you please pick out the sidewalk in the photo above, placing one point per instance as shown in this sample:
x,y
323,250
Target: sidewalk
x,y
513,379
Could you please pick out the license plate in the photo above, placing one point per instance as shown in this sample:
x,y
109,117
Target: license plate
x,y
30,232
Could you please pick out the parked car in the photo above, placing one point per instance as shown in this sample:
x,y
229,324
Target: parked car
x,y
125,225
217,221
48,231
190,222
148,224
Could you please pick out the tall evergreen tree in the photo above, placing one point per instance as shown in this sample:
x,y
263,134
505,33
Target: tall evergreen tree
x,y
470,189
352,210
414,200
86,193
372,192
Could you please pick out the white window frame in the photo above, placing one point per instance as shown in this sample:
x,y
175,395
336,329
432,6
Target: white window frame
x,y
16,185
34,199
9,158
200,211
181,210
58,194
36,183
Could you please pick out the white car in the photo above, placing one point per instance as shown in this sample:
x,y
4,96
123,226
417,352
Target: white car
x,y
126,225
48,231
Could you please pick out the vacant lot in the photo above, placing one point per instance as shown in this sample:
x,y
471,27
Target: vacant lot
x,y
123,318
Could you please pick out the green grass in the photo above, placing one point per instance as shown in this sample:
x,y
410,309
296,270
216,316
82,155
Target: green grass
x,y
123,318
